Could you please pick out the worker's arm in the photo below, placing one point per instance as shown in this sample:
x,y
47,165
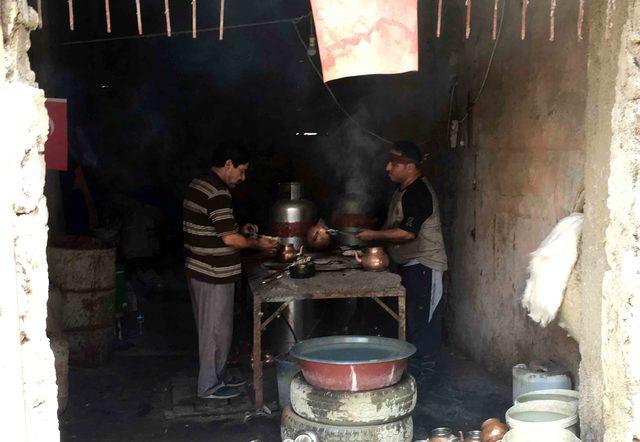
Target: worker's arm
x,y
220,213
417,206
393,235
238,241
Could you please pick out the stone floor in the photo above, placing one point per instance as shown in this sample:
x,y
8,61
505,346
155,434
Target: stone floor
x,y
131,397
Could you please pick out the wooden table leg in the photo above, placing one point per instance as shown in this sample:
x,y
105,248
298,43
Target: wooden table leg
x,y
402,317
257,353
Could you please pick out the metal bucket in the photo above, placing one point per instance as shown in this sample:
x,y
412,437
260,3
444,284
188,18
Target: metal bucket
x,y
84,271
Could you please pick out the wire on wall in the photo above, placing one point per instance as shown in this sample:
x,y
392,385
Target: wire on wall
x,y
189,32
490,63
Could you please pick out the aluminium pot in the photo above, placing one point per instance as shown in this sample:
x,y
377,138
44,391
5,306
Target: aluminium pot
x,y
352,363
349,217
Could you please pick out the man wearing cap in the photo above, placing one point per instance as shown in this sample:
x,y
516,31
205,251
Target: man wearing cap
x,y
416,245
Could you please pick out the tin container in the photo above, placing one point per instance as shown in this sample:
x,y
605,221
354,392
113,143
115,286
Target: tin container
x,y
442,434
472,436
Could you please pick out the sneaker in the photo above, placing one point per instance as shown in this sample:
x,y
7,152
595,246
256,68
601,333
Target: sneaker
x,y
234,381
224,392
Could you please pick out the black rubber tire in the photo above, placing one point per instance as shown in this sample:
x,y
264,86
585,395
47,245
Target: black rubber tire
x,y
397,431
347,408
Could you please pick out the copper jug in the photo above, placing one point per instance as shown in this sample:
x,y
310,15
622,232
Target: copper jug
x,y
288,253
374,259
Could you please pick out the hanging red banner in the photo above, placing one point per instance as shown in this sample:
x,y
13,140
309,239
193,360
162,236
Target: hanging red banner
x,y
364,37
56,146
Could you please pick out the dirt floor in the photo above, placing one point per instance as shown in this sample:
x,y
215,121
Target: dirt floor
x,y
129,398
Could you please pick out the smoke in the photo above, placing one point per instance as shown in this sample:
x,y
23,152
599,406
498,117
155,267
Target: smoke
x,y
357,159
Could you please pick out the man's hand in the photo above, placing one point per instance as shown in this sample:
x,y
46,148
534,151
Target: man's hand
x,y
249,229
367,234
267,245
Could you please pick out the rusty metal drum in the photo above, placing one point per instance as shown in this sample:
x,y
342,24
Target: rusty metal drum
x,y
84,271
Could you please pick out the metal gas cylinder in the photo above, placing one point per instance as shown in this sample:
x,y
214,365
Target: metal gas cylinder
x,y
292,216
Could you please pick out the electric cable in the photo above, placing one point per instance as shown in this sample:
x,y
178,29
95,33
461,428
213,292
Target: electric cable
x,y
333,96
164,34
493,51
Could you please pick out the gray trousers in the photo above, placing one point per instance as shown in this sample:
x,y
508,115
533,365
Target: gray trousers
x,y
213,312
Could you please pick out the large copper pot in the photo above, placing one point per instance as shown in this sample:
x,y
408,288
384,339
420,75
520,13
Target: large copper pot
x,y
318,237
352,363
374,259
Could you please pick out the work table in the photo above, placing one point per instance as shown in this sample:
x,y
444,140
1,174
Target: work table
x,y
345,283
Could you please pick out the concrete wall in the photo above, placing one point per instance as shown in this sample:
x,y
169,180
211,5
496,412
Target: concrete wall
x,y
518,176
547,122
28,402
610,393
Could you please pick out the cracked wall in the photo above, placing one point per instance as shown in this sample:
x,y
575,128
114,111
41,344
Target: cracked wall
x,y
29,399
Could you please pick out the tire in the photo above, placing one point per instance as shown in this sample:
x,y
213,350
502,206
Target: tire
x,y
348,408
397,431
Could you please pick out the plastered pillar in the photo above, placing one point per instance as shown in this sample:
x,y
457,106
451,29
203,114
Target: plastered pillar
x,y
28,390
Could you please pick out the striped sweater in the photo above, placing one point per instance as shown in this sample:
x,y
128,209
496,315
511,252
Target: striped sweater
x,y
207,217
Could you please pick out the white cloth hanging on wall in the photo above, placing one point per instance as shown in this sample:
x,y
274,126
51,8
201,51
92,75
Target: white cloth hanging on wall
x,y
550,268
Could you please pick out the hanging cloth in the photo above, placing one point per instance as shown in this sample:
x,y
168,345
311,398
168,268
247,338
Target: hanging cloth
x,y
364,37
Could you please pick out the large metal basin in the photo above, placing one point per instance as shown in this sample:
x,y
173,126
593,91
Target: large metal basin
x,y
352,363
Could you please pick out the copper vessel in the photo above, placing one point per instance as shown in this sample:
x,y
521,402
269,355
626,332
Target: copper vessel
x,y
493,430
374,259
318,237
288,253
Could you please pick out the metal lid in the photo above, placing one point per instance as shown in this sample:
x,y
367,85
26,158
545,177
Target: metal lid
x,y
442,431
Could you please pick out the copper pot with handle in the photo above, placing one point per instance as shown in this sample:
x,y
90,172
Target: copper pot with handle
x,y
288,253
374,259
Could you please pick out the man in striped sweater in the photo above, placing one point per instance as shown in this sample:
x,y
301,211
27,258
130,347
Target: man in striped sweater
x,y
213,242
